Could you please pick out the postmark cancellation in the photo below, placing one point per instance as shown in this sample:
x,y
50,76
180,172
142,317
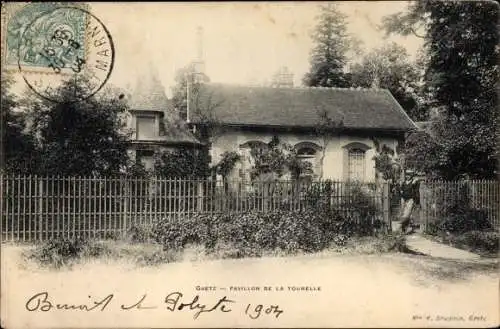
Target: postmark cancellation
x,y
52,43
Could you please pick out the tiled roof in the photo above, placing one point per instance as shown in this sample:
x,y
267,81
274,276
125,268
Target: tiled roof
x,y
300,107
148,94
175,133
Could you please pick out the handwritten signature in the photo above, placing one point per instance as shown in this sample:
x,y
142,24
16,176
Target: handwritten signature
x,y
175,301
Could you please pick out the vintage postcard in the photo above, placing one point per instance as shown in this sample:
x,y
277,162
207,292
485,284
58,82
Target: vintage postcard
x,y
248,165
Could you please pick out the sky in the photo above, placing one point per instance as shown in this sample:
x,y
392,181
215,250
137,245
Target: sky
x,y
243,43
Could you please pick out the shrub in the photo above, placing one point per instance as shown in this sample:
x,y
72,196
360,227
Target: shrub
x,y
157,258
111,235
359,202
175,233
459,220
182,163
94,249
61,251
299,231
478,241
139,234
455,211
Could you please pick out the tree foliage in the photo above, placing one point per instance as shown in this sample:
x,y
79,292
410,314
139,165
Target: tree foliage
x,y
390,67
387,163
422,153
18,148
461,44
331,43
181,163
79,137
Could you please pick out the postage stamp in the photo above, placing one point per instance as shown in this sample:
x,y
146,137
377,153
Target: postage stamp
x,y
16,17
50,44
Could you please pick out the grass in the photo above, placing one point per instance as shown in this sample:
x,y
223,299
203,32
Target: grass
x,y
65,253
393,242
107,251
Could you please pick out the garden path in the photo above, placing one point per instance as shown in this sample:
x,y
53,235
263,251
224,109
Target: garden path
x,y
418,243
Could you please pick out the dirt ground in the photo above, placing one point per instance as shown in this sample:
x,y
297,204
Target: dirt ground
x,y
322,290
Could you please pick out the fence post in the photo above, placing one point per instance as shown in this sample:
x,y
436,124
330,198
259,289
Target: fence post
x,y
125,196
200,196
40,208
385,203
265,195
423,207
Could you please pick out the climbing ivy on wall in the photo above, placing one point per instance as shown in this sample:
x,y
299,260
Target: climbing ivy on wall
x,y
275,160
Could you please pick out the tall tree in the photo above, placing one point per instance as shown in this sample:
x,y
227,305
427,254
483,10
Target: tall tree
x,y
189,91
80,137
184,78
461,42
18,152
331,43
390,67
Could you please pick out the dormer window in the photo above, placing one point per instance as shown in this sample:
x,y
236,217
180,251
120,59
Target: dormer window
x,y
146,127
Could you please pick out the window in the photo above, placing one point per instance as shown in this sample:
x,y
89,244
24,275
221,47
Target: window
x,y
146,158
145,127
356,164
354,161
307,154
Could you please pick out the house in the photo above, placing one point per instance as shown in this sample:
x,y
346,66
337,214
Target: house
x,y
150,112
251,116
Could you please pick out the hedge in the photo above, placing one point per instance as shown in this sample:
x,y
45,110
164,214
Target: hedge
x,y
290,231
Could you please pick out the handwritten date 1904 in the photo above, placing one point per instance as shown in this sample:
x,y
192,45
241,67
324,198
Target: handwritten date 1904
x,y
257,311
